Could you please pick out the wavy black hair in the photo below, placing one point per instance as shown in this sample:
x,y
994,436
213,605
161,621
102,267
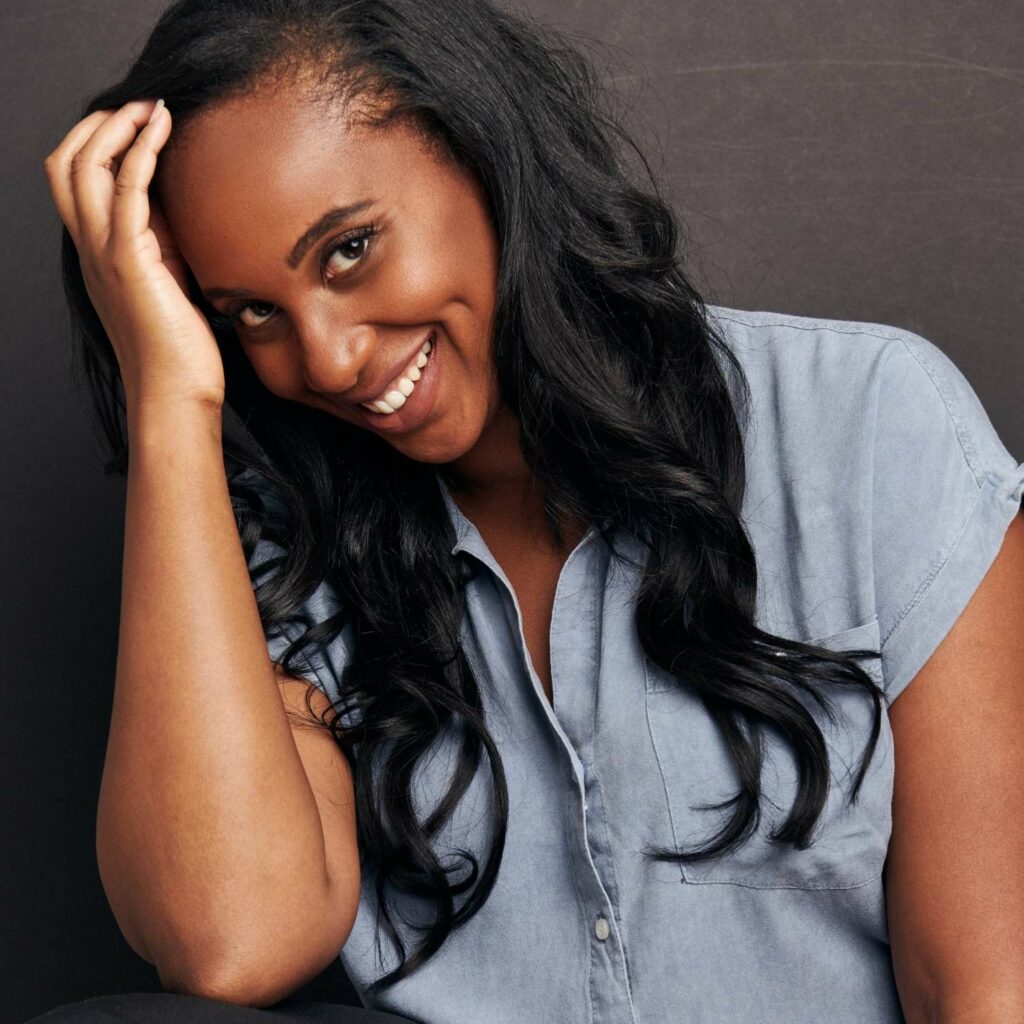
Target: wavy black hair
x,y
631,411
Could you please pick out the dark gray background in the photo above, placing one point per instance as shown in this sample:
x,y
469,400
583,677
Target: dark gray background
x,y
859,161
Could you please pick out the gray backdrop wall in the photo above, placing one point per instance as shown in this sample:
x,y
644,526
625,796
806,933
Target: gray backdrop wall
x,y
860,161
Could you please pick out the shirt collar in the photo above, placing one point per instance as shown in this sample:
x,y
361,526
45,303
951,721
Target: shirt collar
x,y
467,536
464,529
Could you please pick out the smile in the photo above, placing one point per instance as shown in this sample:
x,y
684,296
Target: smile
x,y
403,385
409,399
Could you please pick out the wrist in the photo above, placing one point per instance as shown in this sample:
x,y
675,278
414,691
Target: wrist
x,y
179,420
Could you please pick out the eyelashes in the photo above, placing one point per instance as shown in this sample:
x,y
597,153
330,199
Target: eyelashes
x,y
232,317
363,234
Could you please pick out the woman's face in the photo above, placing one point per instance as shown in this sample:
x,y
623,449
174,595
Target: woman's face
x,y
332,307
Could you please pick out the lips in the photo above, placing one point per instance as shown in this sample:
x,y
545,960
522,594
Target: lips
x,y
403,386
383,382
419,404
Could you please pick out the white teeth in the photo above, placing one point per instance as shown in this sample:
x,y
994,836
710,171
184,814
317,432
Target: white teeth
x,y
394,399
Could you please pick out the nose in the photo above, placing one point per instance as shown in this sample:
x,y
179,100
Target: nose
x,y
332,357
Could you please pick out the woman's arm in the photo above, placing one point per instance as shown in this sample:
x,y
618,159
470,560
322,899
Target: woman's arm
x,y
209,838
954,874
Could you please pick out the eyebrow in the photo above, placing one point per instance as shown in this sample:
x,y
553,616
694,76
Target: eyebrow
x,y
333,218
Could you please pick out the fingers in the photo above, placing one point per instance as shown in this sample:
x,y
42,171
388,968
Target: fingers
x,y
58,167
92,175
81,169
131,209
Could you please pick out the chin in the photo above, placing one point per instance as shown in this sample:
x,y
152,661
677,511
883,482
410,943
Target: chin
x,y
430,445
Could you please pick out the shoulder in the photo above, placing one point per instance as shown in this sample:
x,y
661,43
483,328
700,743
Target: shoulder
x,y
860,382
775,333
811,351
878,486
812,348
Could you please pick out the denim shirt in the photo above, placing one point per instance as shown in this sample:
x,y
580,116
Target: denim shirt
x,y
878,494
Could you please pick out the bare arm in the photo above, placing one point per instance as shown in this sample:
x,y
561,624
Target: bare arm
x,y
209,837
225,840
954,875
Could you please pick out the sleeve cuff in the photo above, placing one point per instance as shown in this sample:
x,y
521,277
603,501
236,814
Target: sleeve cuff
x,y
943,596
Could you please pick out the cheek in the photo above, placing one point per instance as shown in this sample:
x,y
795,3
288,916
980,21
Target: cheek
x,y
416,283
450,260
274,371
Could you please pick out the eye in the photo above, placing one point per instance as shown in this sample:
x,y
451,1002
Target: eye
x,y
340,256
250,310
352,248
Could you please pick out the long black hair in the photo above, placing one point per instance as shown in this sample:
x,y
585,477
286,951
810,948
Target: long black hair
x,y
631,411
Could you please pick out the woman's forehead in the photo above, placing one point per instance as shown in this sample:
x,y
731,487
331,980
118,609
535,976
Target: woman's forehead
x,y
282,144
279,163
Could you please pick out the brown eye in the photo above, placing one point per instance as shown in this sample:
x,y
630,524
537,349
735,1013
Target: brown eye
x,y
348,251
338,258
240,316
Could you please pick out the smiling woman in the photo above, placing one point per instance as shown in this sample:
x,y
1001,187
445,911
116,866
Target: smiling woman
x,y
333,318
596,597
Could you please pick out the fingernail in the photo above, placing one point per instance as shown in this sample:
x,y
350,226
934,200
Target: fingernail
x,y
156,110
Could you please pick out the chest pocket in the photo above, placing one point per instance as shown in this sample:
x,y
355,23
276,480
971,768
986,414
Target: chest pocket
x,y
849,841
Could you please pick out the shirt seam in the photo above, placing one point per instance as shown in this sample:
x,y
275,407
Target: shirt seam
x,y
583,904
661,768
797,888
895,334
969,453
926,584
966,442
617,905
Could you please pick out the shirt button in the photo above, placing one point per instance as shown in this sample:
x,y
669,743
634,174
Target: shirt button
x,y
601,928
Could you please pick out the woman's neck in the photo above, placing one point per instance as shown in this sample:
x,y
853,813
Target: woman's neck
x,y
494,469
495,488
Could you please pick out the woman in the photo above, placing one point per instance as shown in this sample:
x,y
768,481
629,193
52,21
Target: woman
x,y
578,607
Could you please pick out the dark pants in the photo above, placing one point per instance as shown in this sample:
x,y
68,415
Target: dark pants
x,y
174,1008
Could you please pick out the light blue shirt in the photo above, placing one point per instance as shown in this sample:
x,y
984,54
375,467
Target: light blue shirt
x,y
878,495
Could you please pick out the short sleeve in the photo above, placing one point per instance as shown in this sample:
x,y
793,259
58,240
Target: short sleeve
x,y
944,491
322,664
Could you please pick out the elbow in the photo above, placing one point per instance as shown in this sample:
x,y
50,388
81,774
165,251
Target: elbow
x,y
255,978
240,988
256,962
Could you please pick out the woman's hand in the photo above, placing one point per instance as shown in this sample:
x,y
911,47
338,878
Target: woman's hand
x,y
99,176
